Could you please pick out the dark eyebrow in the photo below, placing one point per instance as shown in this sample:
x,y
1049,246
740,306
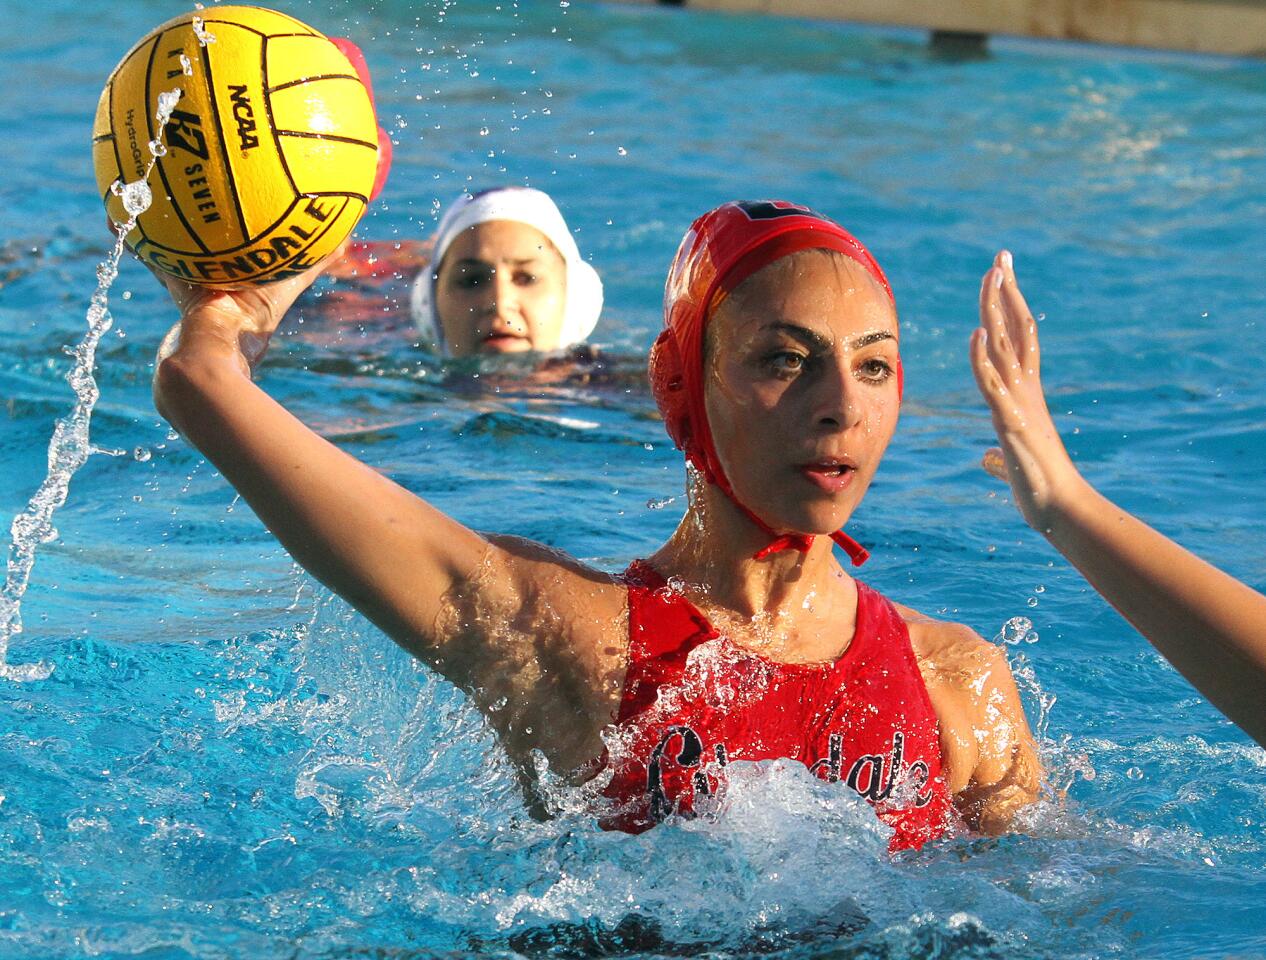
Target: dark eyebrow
x,y
476,262
818,342
865,340
804,334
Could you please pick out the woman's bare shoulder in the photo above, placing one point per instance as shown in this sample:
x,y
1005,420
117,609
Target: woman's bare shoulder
x,y
989,757
946,648
547,569
582,609
537,628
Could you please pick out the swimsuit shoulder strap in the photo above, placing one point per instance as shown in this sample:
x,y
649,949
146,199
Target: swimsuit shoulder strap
x,y
881,630
887,648
663,628
662,622
639,573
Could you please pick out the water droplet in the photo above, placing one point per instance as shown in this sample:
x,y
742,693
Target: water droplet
x,y
136,197
622,152
141,454
1032,601
167,101
659,503
1015,630
483,131
1134,773
157,148
1080,764
200,31
1039,589
186,66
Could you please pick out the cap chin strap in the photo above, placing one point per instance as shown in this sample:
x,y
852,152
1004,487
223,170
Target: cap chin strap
x,y
795,541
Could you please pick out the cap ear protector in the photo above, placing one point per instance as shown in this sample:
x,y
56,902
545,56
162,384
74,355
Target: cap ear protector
x,y
668,387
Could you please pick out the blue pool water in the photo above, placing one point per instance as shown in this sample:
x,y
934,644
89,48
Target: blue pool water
x,y
227,762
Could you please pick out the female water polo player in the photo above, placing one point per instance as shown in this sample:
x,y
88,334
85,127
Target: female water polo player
x,y
503,274
1209,625
742,638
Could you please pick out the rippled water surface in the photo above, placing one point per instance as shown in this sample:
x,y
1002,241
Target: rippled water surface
x,y
227,762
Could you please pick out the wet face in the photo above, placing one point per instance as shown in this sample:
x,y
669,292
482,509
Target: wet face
x,y
501,289
801,389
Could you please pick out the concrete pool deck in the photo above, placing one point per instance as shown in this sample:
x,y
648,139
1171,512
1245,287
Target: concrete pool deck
x,y
1230,27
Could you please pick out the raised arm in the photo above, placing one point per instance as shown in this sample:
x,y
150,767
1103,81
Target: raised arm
x,y
501,618
1209,625
386,551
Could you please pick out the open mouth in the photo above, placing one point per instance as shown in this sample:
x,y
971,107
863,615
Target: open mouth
x,y
830,475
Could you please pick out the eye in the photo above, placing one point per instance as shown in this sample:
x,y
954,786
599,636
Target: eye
x,y
875,369
525,279
786,362
470,279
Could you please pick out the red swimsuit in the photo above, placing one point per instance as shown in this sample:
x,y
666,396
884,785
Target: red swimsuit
x,y
690,709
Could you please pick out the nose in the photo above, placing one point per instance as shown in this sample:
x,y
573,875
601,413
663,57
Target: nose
x,y
502,308
836,407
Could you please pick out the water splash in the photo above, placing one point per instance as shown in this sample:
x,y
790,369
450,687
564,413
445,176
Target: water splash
x,y
70,447
205,37
1017,630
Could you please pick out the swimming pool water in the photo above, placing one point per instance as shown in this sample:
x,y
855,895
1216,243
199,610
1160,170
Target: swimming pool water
x,y
227,762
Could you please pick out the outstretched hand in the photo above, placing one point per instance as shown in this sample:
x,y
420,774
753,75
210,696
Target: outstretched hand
x,y
1005,359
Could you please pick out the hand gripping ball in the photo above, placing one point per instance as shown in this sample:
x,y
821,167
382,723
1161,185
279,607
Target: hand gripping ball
x,y
270,155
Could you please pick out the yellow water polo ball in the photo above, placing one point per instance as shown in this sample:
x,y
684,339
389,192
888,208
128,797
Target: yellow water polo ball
x,y
268,156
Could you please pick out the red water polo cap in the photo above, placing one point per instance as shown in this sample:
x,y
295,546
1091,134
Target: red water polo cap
x,y
722,249
357,59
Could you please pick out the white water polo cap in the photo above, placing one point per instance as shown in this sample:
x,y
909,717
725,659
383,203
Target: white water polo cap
x,y
582,303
